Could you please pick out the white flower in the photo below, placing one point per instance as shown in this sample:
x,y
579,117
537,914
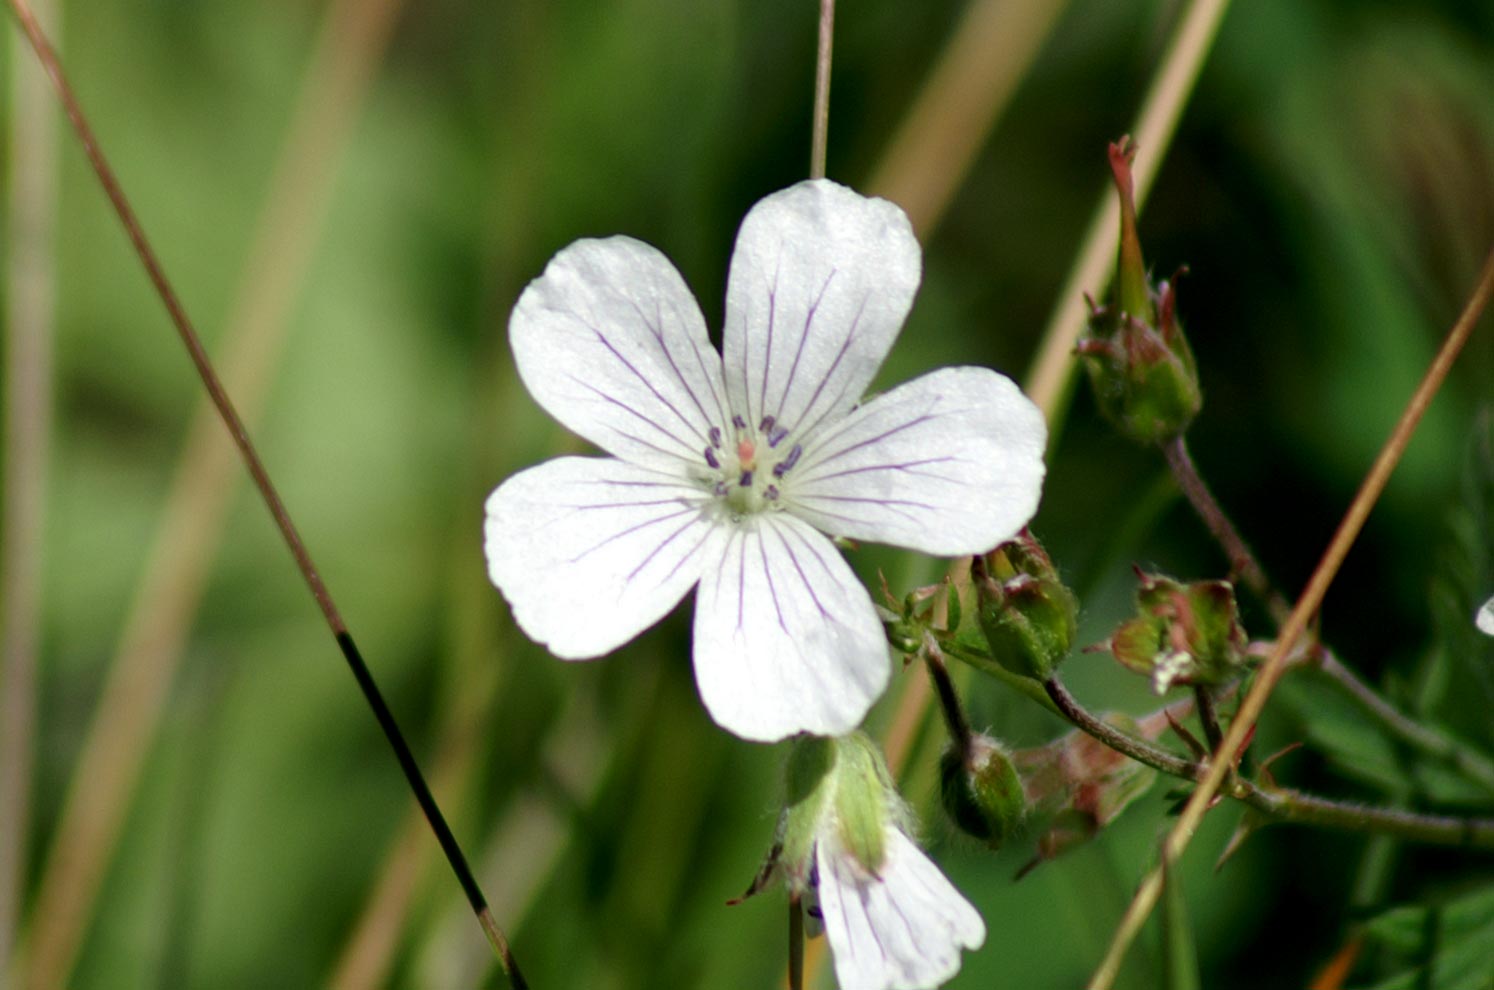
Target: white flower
x,y
728,473
1485,619
901,928
894,922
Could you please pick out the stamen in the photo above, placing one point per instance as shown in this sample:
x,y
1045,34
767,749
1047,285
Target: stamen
x,y
776,435
771,493
715,436
785,465
711,459
746,479
739,422
766,425
720,488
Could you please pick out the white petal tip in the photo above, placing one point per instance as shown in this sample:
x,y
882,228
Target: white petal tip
x,y
1485,618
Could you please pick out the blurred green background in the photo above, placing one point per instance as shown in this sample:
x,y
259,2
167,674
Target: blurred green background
x,y
1331,187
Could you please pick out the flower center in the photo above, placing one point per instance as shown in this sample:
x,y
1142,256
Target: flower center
x,y
746,470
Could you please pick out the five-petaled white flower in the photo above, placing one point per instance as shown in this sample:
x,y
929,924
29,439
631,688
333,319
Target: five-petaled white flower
x,y
1485,618
728,473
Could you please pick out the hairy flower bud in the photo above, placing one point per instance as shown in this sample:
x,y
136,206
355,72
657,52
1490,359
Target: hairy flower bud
x,y
1140,364
982,792
1182,633
1026,612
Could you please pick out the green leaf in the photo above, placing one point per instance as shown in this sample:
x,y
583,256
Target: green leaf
x,y
1438,947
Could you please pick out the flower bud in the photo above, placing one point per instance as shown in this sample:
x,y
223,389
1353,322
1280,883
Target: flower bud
x,y
1140,364
982,792
1026,612
1076,785
1182,633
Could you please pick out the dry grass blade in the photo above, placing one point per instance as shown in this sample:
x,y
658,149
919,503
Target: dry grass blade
x,y
30,298
152,644
1307,606
931,153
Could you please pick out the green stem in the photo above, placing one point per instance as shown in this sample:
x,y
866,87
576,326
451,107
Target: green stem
x,y
982,661
1282,804
949,699
1121,742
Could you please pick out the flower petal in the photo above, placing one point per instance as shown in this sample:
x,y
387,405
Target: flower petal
x,y
1485,619
950,463
590,551
610,342
821,280
901,930
786,638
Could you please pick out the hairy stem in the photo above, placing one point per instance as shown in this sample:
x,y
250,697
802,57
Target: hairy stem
x,y
949,699
1122,742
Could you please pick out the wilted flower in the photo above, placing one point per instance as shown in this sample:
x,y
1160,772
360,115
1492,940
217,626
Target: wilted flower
x,y
894,922
730,472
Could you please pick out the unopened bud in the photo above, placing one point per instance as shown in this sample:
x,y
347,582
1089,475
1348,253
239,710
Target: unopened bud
x,y
1026,612
1182,633
1142,369
982,792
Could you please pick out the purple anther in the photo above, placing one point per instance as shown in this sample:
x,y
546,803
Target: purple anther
x,y
746,480
720,488
776,435
785,465
766,425
739,422
711,458
771,493
715,436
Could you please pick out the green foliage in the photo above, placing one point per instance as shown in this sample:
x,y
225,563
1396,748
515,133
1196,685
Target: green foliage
x,y
1437,947
1324,188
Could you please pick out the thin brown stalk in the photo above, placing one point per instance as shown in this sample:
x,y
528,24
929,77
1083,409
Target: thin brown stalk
x,y
955,112
236,429
471,683
820,141
1307,605
153,642
30,291
1052,371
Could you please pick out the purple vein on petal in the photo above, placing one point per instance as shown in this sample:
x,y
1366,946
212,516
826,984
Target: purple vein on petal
x,y
803,339
633,529
762,398
658,549
705,533
908,468
587,506
741,580
613,400
839,452
799,568
806,429
705,372
657,330
762,552
602,338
